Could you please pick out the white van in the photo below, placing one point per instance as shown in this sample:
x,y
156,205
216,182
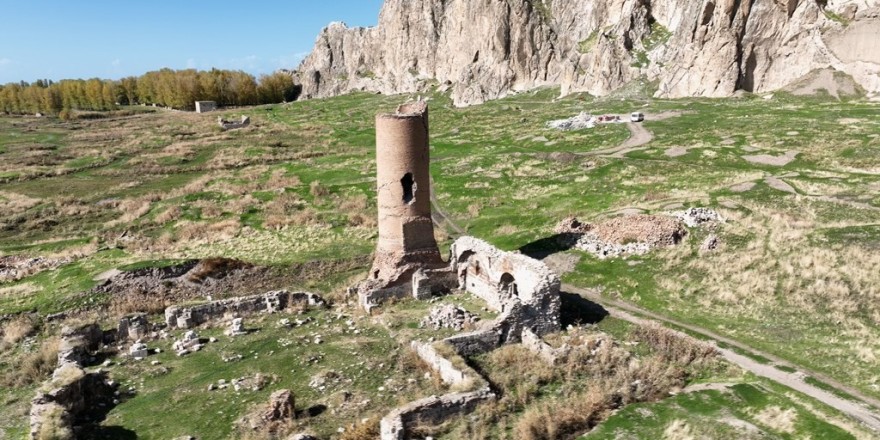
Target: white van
x,y
637,117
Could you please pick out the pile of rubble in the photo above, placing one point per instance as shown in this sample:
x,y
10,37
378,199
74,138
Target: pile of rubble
x,y
653,230
579,122
693,217
14,268
189,343
449,316
632,234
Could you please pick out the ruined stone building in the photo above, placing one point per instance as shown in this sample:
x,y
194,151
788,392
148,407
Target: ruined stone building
x,y
524,291
407,260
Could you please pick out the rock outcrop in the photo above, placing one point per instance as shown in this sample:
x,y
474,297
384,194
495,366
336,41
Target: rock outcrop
x,y
483,50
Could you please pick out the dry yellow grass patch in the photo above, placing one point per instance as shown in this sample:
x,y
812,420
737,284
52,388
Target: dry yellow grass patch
x,y
678,430
171,214
280,179
11,202
133,209
778,419
202,233
18,290
17,329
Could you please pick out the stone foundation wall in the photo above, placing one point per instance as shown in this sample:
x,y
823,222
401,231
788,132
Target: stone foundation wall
x,y
474,343
188,317
454,375
431,411
233,125
76,343
424,284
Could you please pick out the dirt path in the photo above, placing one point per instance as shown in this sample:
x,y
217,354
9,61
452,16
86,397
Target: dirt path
x,y
857,410
638,136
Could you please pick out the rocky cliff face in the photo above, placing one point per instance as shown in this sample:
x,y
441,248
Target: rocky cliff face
x,y
486,49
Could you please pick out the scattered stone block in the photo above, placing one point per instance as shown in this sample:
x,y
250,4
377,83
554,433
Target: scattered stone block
x,y
236,328
138,351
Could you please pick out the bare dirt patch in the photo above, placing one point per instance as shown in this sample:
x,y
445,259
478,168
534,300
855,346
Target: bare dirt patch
x,y
562,263
778,161
779,184
743,187
676,151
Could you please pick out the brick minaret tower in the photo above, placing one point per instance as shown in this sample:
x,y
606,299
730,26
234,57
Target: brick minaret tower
x,y
406,231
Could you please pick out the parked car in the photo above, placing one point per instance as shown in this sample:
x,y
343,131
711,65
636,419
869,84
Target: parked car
x,y
637,117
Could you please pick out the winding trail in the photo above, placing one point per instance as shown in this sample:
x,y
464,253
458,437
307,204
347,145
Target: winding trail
x,y
638,136
860,410
863,409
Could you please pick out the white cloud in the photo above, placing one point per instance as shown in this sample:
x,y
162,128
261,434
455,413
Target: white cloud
x,y
116,63
250,62
5,61
191,63
289,61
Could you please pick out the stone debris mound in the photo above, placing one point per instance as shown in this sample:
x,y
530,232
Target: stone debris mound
x,y
653,230
14,267
628,235
710,243
579,122
190,342
571,225
693,217
449,316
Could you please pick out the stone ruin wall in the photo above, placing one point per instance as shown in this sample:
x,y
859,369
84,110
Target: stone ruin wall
x,y
435,410
407,263
71,392
503,279
528,311
188,317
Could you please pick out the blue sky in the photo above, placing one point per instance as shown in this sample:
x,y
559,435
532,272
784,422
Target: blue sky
x,y
57,39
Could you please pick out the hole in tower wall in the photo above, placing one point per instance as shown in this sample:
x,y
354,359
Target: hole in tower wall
x,y
409,188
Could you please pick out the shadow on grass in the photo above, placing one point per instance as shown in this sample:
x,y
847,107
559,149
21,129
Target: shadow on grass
x,y
544,247
108,432
577,310
101,398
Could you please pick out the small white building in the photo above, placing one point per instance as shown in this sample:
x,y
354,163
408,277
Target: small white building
x,y
205,106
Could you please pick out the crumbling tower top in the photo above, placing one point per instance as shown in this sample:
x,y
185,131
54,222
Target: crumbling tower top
x,y
406,232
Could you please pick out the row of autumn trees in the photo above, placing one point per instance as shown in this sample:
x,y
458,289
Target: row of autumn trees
x,y
169,88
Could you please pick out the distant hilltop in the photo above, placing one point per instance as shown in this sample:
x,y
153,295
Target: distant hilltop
x,y
482,50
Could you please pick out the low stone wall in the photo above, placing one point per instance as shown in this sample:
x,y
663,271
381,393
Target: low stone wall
x,y
461,376
188,317
425,283
72,392
474,343
435,410
431,411
76,343
370,299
